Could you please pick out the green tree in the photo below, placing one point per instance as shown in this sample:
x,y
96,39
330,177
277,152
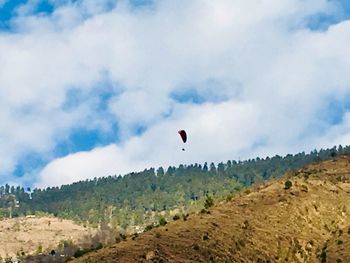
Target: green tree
x,y
287,184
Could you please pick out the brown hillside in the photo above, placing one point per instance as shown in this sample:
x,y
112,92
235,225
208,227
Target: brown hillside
x,y
271,224
28,234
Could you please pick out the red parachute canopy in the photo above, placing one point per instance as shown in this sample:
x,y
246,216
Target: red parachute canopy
x,y
183,135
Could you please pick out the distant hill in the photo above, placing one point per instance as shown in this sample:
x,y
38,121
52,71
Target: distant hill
x,y
301,217
35,235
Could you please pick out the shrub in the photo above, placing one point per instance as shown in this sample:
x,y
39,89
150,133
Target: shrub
x,y
229,198
339,242
162,221
205,236
208,202
176,217
80,252
39,250
149,227
185,216
323,256
121,236
287,184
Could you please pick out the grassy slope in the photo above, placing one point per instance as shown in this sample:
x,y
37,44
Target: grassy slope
x,y
27,234
268,224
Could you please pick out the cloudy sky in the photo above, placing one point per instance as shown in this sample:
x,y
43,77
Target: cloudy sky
x,y
95,88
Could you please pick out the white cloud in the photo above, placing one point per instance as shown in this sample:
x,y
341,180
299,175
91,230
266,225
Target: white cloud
x,y
79,166
209,129
271,75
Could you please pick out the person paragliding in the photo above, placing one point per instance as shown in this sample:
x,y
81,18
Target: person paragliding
x,y
183,136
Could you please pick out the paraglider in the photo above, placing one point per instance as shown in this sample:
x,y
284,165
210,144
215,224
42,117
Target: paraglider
x,y
183,136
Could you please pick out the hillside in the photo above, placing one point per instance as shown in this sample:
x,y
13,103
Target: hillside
x,y
139,198
267,224
32,235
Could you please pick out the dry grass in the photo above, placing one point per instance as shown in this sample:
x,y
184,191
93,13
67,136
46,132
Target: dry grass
x,y
27,234
270,224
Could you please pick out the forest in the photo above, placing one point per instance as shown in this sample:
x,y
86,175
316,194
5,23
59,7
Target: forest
x,y
140,198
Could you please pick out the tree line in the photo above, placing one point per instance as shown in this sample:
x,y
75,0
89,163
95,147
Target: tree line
x,y
134,198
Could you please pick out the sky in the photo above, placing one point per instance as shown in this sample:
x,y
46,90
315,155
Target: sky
x,y
97,88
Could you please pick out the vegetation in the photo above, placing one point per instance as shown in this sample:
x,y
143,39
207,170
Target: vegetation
x,y
339,242
176,217
162,221
208,202
323,254
257,227
138,198
287,184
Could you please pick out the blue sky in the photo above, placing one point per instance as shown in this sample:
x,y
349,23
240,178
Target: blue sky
x,y
91,89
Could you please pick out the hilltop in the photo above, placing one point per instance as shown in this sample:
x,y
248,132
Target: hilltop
x,y
301,217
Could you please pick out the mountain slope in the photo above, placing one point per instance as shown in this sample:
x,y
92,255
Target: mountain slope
x,y
270,224
126,198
